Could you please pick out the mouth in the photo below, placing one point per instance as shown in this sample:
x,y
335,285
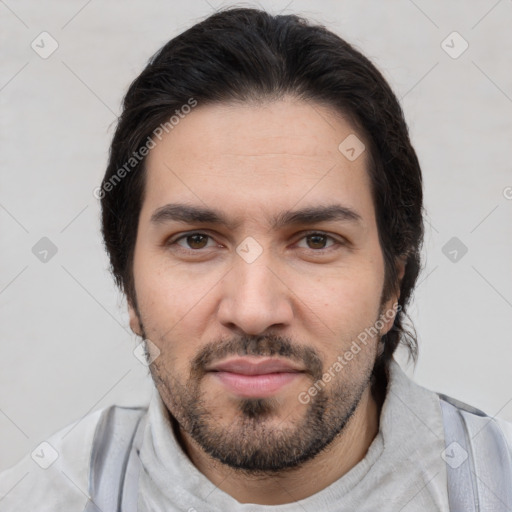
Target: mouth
x,y
255,377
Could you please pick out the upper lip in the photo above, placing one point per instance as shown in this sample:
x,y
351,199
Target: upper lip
x,y
254,366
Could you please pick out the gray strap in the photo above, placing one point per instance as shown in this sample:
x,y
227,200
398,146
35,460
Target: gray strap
x,y
483,481
462,492
133,468
492,461
109,457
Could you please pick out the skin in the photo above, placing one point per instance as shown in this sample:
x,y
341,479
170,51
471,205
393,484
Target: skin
x,y
199,301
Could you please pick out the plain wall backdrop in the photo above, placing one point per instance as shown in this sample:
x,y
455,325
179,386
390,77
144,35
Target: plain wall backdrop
x,y
66,348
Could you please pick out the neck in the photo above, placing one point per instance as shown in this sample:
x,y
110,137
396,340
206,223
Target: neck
x,y
347,449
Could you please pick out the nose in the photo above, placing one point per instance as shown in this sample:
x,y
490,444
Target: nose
x,y
255,298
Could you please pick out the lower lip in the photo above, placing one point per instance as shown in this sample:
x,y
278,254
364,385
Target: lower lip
x,y
255,386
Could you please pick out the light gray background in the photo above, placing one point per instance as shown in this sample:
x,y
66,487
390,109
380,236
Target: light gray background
x,y
66,348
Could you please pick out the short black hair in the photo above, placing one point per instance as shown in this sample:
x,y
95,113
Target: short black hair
x,y
249,55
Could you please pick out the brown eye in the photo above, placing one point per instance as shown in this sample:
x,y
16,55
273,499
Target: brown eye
x,y
320,243
194,241
197,241
317,241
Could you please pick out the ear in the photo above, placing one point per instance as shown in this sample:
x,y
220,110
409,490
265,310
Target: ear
x,y
134,320
400,268
389,309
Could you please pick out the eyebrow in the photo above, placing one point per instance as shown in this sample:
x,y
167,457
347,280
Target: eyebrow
x,y
201,215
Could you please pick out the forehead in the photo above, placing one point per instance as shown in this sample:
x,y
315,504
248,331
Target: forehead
x,y
259,158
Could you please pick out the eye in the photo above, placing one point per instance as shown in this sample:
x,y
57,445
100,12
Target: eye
x,y
318,241
194,241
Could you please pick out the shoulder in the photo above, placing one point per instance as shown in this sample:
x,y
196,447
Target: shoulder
x,y
478,456
476,419
506,429
55,475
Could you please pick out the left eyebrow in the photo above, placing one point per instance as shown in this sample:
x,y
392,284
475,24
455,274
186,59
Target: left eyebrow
x,y
317,214
190,214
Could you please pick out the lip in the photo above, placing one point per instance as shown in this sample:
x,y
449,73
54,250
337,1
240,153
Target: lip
x,y
254,377
255,366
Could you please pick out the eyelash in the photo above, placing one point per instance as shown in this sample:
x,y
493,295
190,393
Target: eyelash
x,y
337,242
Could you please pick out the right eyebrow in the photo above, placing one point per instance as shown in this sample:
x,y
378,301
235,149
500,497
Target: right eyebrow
x,y
190,215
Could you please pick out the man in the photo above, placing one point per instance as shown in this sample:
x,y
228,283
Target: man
x,y
262,210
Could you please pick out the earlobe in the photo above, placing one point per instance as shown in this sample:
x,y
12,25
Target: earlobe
x,y
134,320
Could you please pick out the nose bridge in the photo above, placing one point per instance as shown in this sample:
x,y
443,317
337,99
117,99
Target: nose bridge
x,y
256,280
255,298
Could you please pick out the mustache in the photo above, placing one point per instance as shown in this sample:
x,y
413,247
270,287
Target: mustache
x,y
265,346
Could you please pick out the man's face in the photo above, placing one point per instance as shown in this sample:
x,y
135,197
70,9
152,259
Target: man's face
x,y
223,302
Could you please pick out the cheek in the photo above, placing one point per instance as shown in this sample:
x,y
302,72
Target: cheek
x,y
168,293
350,310
177,307
351,298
